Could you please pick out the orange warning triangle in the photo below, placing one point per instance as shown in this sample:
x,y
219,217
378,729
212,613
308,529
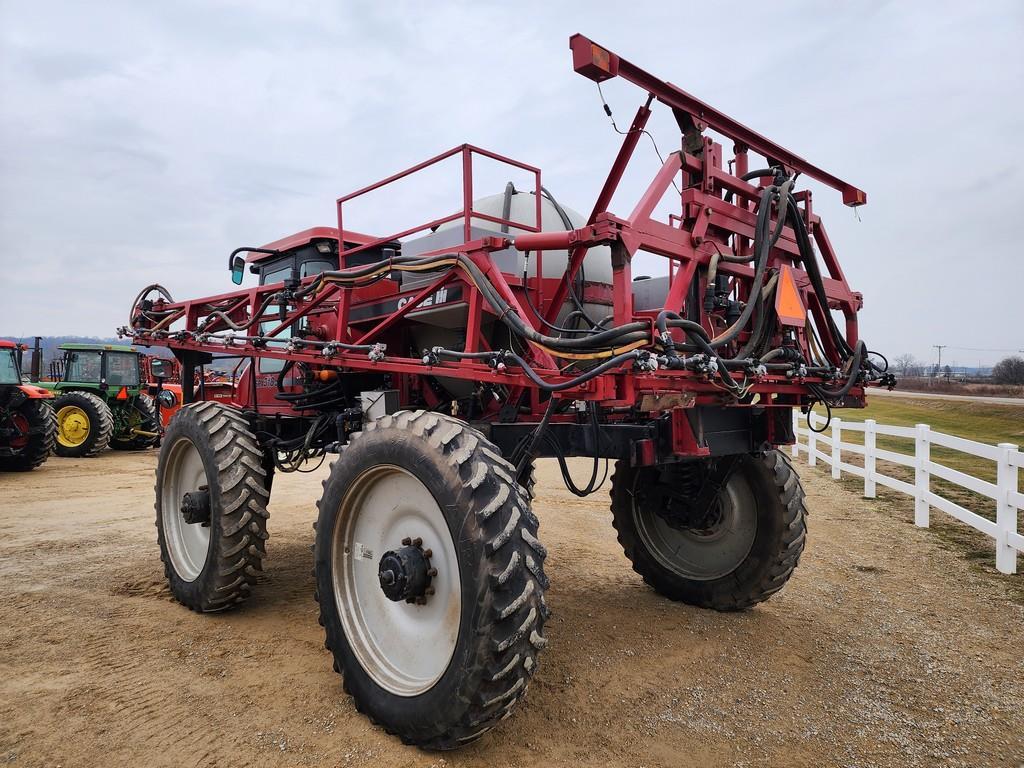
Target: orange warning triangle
x,y
788,306
122,394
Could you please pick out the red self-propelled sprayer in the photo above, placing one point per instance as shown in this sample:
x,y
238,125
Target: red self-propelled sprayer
x,y
440,361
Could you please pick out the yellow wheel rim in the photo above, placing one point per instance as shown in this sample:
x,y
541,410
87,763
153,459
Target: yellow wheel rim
x,y
72,426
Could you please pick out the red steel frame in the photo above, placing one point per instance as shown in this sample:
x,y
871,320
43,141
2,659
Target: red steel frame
x,y
705,223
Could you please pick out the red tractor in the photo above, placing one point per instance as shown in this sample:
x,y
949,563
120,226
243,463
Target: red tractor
x,y
28,426
163,383
438,362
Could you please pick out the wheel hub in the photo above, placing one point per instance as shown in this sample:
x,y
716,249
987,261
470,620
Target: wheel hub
x,y
405,573
689,497
72,426
195,507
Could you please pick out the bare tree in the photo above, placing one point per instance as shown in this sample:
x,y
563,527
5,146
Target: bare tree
x,y
905,363
1009,370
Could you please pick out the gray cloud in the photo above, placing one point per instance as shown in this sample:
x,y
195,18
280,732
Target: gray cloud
x,y
141,142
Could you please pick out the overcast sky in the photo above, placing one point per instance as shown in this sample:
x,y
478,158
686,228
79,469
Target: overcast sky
x,y
141,142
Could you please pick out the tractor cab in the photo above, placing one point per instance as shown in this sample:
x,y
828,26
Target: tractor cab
x,y
106,366
10,372
309,253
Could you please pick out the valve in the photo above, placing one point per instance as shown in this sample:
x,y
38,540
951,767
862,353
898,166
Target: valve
x,y
645,362
376,353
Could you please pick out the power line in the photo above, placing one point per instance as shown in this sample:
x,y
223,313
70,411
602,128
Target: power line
x,y
981,349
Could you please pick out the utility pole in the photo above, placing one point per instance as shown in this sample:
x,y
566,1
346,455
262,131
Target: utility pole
x,y
940,347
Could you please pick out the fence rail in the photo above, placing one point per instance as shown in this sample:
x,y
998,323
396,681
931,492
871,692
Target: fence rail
x,y
1005,492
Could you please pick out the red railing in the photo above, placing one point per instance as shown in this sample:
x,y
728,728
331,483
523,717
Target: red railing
x,y
467,214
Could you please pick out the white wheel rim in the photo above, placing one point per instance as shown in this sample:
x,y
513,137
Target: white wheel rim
x,y
188,544
704,556
404,647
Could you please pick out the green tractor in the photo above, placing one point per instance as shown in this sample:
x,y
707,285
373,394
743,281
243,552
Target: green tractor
x,y
101,400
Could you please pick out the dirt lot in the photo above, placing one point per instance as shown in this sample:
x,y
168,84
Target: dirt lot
x,y
885,649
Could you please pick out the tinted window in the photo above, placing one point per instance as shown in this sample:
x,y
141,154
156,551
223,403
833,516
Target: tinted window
x,y
122,369
316,267
8,370
276,275
84,367
281,270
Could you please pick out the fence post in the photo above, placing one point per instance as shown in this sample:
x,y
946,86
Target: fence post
x,y
1006,512
795,450
869,459
812,441
922,456
837,435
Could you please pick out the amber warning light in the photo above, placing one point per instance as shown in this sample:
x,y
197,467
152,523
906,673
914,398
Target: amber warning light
x,y
591,60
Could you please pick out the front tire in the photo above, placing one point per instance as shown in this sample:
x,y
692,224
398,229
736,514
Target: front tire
x,y
729,554
84,425
35,421
211,507
442,665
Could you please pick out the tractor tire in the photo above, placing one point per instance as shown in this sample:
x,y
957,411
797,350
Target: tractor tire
x,y
146,412
437,662
84,425
211,507
37,419
742,554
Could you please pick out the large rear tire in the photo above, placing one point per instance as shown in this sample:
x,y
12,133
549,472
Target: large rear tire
x,y
737,550
35,421
141,416
84,425
438,662
211,507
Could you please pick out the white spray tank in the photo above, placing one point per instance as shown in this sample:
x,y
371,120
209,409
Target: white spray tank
x,y
445,327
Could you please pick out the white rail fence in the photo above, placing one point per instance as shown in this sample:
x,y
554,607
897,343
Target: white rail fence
x,y
1005,492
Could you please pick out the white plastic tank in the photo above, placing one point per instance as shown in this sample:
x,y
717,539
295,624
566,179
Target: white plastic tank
x,y
597,266
445,327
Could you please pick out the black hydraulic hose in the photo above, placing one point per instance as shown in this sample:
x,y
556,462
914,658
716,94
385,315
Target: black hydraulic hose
x,y
612,362
610,337
552,326
506,206
859,352
567,223
143,294
593,484
696,332
762,248
526,446
814,273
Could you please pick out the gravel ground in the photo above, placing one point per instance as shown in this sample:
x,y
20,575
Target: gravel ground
x,y
885,649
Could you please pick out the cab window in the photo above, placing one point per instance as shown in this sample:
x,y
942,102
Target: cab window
x,y
84,367
122,369
8,368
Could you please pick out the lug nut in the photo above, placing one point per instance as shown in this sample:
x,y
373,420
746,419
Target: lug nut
x,y
417,541
427,591
432,573
406,541
428,553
